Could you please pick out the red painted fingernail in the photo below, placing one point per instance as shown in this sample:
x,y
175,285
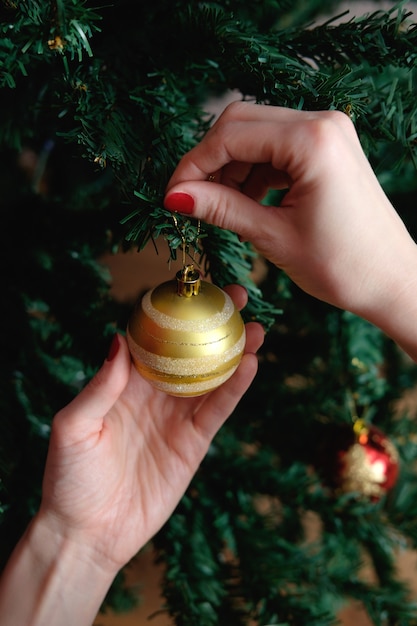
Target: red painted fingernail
x,y
180,202
114,348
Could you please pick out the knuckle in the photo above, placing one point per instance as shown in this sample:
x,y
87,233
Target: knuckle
x,y
221,138
328,131
341,119
235,110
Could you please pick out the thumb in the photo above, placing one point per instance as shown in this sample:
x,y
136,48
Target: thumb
x,y
88,409
222,206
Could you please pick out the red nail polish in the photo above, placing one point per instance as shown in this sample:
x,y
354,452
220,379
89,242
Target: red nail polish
x,y
180,202
114,348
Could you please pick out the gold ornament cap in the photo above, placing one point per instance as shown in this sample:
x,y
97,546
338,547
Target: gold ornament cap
x,y
188,281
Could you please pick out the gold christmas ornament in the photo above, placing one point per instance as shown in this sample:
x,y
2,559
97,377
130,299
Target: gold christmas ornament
x,y
186,337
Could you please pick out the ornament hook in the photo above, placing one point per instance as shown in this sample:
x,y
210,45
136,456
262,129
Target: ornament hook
x,y
183,238
188,279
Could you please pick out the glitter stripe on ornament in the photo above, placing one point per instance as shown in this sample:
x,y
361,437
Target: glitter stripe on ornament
x,y
179,380
218,318
193,389
169,343
198,366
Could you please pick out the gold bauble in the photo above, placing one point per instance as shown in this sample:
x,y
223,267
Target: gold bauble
x,y
186,337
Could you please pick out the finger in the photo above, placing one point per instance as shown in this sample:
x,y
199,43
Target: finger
x,y
238,294
229,209
90,406
240,141
252,112
255,335
218,405
247,133
241,134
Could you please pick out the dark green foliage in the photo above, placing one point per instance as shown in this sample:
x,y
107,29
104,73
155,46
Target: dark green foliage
x,y
109,96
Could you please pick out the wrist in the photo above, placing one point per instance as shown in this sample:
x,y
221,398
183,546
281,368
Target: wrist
x,y
64,581
71,542
392,301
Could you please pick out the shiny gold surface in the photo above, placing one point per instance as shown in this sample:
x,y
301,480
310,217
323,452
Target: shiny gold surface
x,y
166,301
188,281
186,345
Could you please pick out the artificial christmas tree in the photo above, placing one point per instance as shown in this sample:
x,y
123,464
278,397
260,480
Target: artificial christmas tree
x,y
98,104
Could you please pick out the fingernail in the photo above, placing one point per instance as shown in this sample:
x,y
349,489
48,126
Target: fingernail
x,y
180,202
114,348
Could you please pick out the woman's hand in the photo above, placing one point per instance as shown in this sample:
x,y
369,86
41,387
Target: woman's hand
x,y
334,233
121,456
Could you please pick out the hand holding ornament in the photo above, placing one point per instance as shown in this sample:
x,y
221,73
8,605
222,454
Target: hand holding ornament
x,y
335,233
121,456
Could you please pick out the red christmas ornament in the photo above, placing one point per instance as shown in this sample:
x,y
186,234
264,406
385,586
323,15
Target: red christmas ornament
x,y
369,465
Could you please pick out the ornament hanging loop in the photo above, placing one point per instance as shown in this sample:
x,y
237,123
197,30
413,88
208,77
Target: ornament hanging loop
x,y
185,244
182,237
188,279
